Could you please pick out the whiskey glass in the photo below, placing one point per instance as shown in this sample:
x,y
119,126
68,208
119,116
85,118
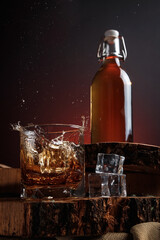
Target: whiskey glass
x,y
52,160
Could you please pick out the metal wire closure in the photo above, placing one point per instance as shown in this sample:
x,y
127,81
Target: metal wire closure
x,y
112,48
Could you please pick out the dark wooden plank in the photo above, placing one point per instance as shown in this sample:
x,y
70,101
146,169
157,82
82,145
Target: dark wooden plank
x,y
75,217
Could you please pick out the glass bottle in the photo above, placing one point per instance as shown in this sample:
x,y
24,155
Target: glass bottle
x,y
111,95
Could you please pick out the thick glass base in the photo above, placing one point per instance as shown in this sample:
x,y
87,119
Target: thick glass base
x,y
45,192
51,192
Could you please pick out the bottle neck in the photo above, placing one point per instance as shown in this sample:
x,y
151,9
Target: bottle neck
x,y
112,60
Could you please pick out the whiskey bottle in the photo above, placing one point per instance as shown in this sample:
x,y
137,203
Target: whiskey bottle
x,y
111,94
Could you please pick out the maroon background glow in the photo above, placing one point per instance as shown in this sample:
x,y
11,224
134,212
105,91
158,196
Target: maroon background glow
x,y
48,50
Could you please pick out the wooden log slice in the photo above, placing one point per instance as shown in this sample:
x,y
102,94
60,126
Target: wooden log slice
x,y
135,154
75,217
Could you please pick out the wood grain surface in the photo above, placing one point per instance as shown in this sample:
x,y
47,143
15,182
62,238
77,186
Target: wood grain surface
x,y
75,217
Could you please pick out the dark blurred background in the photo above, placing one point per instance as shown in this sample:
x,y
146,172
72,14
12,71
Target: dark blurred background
x,y
48,53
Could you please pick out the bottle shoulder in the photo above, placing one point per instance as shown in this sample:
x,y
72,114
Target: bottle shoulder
x,y
112,72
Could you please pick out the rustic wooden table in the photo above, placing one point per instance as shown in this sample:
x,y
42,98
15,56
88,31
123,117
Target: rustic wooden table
x,y
86,216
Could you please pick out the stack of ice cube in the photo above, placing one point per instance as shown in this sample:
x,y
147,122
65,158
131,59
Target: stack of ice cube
x,y
108,179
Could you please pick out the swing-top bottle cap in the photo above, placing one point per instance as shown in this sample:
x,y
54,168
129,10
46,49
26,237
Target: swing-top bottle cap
x,y
110,46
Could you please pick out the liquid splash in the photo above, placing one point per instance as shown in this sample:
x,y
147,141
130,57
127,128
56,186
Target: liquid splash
x,y
58,160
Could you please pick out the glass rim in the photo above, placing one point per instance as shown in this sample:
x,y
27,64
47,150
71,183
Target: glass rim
x,y
53,124
72,127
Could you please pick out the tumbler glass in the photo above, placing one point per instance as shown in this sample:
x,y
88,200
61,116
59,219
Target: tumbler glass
x,y
52,160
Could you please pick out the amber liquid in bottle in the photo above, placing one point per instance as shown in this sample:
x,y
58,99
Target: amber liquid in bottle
x,y
111,104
